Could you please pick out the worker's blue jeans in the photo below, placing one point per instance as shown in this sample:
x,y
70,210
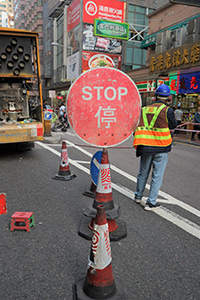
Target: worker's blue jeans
x,y
158,161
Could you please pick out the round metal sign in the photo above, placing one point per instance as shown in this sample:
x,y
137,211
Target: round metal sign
x,y
48,115
94,166
103,106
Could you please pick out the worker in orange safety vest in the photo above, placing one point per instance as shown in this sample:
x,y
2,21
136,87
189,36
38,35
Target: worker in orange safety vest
x,y
152,140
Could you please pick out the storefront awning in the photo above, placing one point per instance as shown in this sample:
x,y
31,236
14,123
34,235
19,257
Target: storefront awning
x,y
148,41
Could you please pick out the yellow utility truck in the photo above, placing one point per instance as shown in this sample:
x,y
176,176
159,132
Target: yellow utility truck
x,y
21,106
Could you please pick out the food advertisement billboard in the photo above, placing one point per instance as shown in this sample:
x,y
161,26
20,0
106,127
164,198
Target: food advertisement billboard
x,y
92,60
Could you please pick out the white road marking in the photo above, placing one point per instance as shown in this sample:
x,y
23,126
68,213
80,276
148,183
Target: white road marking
x,y
165,213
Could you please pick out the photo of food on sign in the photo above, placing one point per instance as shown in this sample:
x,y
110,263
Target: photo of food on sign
x,y
92,60
99,60
99,44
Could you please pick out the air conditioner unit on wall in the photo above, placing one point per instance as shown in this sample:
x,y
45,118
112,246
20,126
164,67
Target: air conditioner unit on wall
x,y
198,29
190,31
159,39
191,27
166,40
180,37
158,49
172,43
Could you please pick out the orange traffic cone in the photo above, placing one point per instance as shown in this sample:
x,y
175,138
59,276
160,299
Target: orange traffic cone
x,y
64,170
91,192
3,207
103,196
99,282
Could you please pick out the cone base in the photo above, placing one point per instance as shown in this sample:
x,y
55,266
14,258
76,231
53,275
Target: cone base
x,y
66,178
111,214
78,293
118,234
89,194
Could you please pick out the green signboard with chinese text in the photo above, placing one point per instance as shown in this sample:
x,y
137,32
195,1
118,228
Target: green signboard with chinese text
x,y
111,29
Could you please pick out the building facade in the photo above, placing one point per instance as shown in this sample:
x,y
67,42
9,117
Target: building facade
x,y
28,15
6,13
173,56
75,44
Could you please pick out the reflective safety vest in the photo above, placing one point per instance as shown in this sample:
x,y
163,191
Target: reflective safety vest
x,y
153,129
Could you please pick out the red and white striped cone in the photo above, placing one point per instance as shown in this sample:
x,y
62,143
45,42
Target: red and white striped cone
x,y
99,282
91,192
103,196
104,190
64,170
3,207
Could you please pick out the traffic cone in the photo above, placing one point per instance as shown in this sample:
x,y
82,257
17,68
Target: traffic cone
x,y
64,170
3,207
103,196
94,173
91,192
99,282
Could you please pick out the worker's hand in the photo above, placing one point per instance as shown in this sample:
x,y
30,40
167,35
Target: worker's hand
x,y
168,102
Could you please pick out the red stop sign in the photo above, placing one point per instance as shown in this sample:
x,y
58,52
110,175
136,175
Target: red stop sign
x,y
103,106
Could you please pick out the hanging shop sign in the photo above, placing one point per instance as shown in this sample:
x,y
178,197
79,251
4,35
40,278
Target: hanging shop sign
x,y
111,29
183,57
98,43
103,9
173,84
185,83
146,86
73,14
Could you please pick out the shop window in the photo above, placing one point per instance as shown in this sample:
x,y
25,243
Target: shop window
x,y
129,54
140,9
137,57
131,7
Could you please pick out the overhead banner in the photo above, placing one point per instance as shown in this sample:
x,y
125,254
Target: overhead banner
x,y
103,9
99,44
111,29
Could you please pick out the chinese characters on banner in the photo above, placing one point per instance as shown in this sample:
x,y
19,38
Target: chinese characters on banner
x,y
183,57
99,44
73,14
112,10
185,83
108,101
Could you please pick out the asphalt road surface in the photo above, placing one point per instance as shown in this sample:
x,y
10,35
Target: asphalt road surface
x,y
159,259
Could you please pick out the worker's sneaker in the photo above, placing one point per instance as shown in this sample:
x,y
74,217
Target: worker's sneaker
x,y
192,139
137,200
150,206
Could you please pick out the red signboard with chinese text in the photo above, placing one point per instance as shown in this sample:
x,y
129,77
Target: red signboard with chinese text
x,y
73,14
103,9
103,106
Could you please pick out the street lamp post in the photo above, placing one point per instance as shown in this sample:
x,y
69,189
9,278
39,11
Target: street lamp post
x,y
70,69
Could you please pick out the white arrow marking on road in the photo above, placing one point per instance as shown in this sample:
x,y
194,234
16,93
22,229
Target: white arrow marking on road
x,y
165,213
